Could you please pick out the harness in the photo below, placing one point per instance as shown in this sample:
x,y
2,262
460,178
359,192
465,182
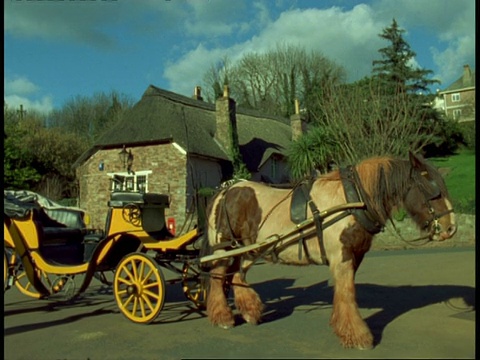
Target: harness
x,y
354,192
358,204
300,199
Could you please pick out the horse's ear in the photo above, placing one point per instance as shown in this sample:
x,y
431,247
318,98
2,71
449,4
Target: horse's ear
x,y
416,160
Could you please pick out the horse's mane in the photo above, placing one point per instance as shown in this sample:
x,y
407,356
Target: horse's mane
x,y
385,181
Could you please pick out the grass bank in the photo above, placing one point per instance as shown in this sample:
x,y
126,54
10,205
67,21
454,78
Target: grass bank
x,y
459,174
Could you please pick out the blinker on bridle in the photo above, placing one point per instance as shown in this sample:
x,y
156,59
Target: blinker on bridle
x,y
433,194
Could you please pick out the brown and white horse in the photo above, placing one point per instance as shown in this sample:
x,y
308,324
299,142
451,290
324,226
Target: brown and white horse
x,y
247,212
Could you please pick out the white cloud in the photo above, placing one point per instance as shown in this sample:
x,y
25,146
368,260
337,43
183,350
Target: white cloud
x,y
90,23
350,38
19,91
187,72
67,21
451,60
19,85
43,105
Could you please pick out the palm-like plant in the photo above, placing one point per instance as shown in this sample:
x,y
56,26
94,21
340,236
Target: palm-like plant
x,y
311,152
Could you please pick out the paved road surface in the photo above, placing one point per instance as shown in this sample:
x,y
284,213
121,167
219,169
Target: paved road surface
x,y
419,304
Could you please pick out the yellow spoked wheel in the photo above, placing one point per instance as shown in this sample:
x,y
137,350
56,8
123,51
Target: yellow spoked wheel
x,y
139,288
25,287
194,285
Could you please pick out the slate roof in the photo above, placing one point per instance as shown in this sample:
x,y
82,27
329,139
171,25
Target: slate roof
x,y
162,116
458,84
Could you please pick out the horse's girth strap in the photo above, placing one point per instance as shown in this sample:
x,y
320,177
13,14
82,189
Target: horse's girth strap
x,y
318,226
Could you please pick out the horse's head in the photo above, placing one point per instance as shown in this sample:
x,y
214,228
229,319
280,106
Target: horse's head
x,y
428,202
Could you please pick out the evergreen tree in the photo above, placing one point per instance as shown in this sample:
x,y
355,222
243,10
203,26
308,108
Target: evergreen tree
x,y
395,70
399,78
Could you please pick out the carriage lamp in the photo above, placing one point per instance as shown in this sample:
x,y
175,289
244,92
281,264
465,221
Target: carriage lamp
x,y
126,158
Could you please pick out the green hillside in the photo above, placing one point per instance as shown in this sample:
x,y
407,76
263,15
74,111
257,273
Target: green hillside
x,y
459,174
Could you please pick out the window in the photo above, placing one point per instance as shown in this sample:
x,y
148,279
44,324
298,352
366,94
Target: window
x,y
129,182
457,113
456,97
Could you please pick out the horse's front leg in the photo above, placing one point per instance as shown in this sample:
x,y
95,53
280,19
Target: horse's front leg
x,y
247,301
346,320
219,313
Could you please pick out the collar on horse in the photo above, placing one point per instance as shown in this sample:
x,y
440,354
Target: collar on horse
x,y
354,192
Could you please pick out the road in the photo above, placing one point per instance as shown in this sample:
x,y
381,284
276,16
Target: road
x,y
418,303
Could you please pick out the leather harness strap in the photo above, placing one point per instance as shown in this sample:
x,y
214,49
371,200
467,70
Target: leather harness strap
x,y
354,192
317,219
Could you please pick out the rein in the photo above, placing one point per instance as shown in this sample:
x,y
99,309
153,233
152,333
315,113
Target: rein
x,y
410,242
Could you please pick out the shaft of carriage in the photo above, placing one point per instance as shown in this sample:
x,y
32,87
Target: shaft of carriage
x,y
303,229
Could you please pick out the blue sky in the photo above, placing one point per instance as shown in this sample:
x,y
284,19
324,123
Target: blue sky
x,y
56,50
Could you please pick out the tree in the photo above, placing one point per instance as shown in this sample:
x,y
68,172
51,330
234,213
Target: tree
x,y
364,120
396,70
271,81
399,78
89,117
19,171
39,150
39,158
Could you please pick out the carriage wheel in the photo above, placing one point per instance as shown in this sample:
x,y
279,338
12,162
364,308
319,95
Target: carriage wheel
x,y
25,286
139,288
194,285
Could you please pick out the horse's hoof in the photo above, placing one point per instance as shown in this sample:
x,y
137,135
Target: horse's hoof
x,y
250,320
225,327
365,347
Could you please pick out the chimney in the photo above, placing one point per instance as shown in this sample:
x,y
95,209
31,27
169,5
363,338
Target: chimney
x,y
297,123
226,122
467,76
197,93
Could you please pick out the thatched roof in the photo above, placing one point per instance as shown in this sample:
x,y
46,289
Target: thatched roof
x,y
162,116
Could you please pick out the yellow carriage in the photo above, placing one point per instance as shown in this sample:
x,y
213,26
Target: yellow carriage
x,y
42,256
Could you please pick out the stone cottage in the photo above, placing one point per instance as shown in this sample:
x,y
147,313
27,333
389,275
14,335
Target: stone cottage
x,y
177,145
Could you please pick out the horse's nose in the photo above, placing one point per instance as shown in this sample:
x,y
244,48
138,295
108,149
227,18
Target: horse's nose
x,y
452,229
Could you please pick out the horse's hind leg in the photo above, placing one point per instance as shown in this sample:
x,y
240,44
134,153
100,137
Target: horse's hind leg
x,y
346,320
247,301
219,313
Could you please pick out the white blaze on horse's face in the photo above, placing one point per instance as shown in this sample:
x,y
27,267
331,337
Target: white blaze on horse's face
x,y
443,230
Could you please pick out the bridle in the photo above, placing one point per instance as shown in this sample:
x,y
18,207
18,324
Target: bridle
x,y
429,195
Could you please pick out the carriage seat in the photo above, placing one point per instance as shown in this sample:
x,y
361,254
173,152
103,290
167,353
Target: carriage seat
x,y
62,245
53,235
120,199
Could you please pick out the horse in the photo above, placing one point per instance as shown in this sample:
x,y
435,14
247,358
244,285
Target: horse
x,y
246,212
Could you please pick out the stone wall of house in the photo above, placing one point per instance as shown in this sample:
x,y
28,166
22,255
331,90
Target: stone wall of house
x,y
167,163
